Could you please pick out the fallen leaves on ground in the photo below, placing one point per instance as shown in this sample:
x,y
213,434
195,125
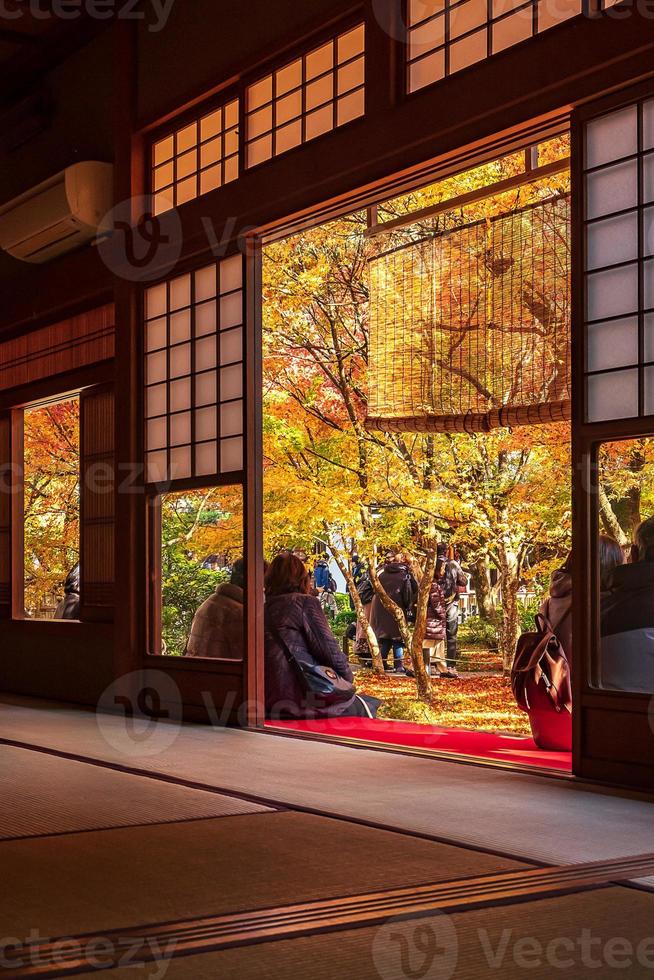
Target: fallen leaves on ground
x,y
476,702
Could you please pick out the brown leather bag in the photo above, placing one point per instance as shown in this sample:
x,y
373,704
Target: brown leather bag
x,y
541,684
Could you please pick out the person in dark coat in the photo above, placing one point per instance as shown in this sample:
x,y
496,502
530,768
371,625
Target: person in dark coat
x,y
218,628
433,646
627,620
557,608
453,580
69,606
295,616
399,585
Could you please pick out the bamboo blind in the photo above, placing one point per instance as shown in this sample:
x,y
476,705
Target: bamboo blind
x,y
471,329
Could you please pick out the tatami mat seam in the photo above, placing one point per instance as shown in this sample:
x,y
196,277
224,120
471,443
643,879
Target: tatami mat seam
x,y
137,826
279,805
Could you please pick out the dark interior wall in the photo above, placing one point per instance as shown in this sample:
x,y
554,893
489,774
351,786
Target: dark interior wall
x,y
79,127
205,42
66,661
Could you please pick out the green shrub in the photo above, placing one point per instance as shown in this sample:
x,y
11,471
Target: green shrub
x,y
185,586
478,632
528,612
341,622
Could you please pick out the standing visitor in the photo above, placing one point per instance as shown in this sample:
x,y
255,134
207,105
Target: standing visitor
x,y
400,586
433,647
454,582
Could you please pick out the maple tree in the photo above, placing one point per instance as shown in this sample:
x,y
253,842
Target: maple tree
x,y
51,502
327,477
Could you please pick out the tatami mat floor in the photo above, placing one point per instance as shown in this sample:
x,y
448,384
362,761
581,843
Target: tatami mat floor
x,y
89,848
532,817
601,934
43,794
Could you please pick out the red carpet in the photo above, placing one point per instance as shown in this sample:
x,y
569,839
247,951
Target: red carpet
x,y
484,745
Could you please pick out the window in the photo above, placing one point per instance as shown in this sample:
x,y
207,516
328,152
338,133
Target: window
x,y
445,36
194,373
306,98
196,159
51,502
619,263
202,574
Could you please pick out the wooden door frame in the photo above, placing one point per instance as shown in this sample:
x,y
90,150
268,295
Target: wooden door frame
x,y
598,711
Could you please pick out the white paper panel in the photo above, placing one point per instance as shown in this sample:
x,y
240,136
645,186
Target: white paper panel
x,y
231,273
612,240
156,467
231,310
613,396
469,50
205,283
612,136
180,395
156,401
649,390
613,292
205,319
612,344
231,419
611,190
180,292
205,354
426,71
206,426
180,361
206,459
157,334
157,433
205,388
180,463
180,429
180,327
231,383
231,346
648,125
231,455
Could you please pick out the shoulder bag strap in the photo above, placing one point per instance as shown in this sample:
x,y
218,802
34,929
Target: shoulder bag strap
x,y
290,656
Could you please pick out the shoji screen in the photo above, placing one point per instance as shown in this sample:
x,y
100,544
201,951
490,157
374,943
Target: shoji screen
x,y
619,263
194,373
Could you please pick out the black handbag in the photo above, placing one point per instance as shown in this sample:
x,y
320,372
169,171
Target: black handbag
x,y
322,685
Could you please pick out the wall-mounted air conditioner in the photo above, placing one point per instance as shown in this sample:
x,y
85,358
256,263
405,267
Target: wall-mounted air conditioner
x,y
58,215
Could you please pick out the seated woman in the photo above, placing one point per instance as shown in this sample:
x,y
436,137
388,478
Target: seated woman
x,y
297,632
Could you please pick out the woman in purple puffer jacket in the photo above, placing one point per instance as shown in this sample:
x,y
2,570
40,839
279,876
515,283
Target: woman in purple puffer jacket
x,y
295,617
433,647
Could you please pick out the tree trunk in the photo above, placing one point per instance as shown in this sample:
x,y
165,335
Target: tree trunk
x,y
480,575
423,680
510,624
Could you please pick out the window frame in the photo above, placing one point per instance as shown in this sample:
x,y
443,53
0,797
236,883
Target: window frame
x,y
230,90
13,403
587,6
154,492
